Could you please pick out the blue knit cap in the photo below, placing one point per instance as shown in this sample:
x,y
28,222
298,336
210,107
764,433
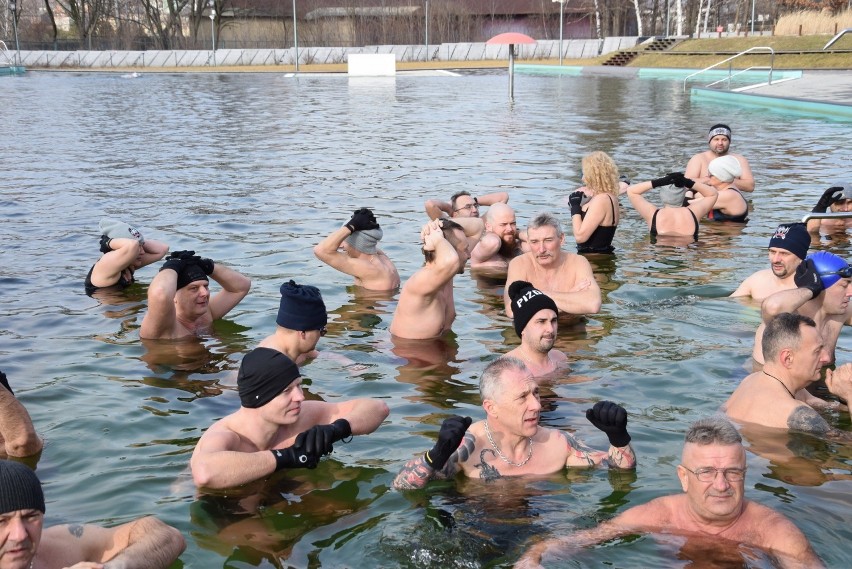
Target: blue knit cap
x,y
301,307
827,266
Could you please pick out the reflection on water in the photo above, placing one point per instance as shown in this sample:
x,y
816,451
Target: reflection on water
x,y
253,170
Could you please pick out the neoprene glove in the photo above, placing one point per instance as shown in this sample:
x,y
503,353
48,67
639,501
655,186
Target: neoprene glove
x,y
449,438
319,439
177,260
206,265
362,219
807,277
664,181
105,248
611,418
827,198
294,457
681,181
575,200
624,178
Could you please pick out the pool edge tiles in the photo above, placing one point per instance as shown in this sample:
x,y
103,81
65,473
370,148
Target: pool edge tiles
x,y
790,104
534,69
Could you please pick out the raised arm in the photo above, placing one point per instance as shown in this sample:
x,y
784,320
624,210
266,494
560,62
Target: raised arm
x,y
709,195
17,434
612,420
153,251
454,446
485,248
492,198
328,252
146,543
645,208
437,209
235,287
809,285
159,320
445,265
584,226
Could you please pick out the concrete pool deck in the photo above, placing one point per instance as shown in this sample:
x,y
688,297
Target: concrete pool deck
x,y
817,92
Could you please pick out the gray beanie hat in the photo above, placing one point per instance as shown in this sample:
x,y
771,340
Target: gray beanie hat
x,y
672,195
20,488
366,240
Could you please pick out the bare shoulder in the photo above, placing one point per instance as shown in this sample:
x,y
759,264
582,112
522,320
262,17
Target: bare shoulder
x,y
650,516
575,265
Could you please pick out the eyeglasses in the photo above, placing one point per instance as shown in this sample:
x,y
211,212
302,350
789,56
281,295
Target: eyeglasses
x,y
323,331
468,207
844,273
709,474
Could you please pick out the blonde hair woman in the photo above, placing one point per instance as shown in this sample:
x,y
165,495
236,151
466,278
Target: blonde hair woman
x,y
594,212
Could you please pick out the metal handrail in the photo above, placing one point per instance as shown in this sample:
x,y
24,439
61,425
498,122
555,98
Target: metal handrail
x,y
839,35
729,77
5,51
827,215
733,57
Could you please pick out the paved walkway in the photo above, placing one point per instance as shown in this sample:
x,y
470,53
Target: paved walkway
x,y
833,87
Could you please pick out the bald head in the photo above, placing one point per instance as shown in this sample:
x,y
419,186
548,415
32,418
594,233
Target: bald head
x,y
500,220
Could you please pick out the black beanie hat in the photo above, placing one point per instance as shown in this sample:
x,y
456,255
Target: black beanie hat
x,y
526,302
264,373
301,307
20,488
189,274
792,237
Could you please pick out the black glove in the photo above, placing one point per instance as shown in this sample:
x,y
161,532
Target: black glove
x,y
664,181
206,265
681,181
611,418
624,178
177,260
5,382
105,248
362,219
575,200
807,277
319,439
827,198
294,457
449,439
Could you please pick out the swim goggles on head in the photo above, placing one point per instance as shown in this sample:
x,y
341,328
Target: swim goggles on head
x,y
844,273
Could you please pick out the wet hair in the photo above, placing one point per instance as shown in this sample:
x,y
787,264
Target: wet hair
x,y
448,226
715,429
600,174
783,331
491,380
546,220
454,198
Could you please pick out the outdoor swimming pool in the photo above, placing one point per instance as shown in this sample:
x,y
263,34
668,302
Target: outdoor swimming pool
x,y
254,169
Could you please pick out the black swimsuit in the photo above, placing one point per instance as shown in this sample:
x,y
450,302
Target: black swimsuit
x,y
654,225
717,215
600,241
122,282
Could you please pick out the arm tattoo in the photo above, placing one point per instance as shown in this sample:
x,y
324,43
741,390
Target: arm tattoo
x,y
76,530
578,449
621,457
805,419
416,472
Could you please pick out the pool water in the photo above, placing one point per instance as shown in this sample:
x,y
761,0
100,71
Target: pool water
x,y
252,170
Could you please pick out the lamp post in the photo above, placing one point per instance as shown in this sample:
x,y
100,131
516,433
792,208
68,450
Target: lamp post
x,y
561,28
12,7
752,17
212,5
295,36
426,55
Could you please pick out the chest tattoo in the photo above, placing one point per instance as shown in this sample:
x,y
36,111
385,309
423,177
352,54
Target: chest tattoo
x,y
488,472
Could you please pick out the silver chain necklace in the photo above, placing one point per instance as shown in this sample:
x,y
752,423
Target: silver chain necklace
x,y
501,455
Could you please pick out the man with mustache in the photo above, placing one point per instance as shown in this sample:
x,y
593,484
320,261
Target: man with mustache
x,y
510,442
500,242
788,246
565,277
719,140
536,323
824,285
711,511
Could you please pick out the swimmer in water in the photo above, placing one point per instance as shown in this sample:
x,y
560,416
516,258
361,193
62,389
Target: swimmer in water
x,y
124,252
788,246
535,318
